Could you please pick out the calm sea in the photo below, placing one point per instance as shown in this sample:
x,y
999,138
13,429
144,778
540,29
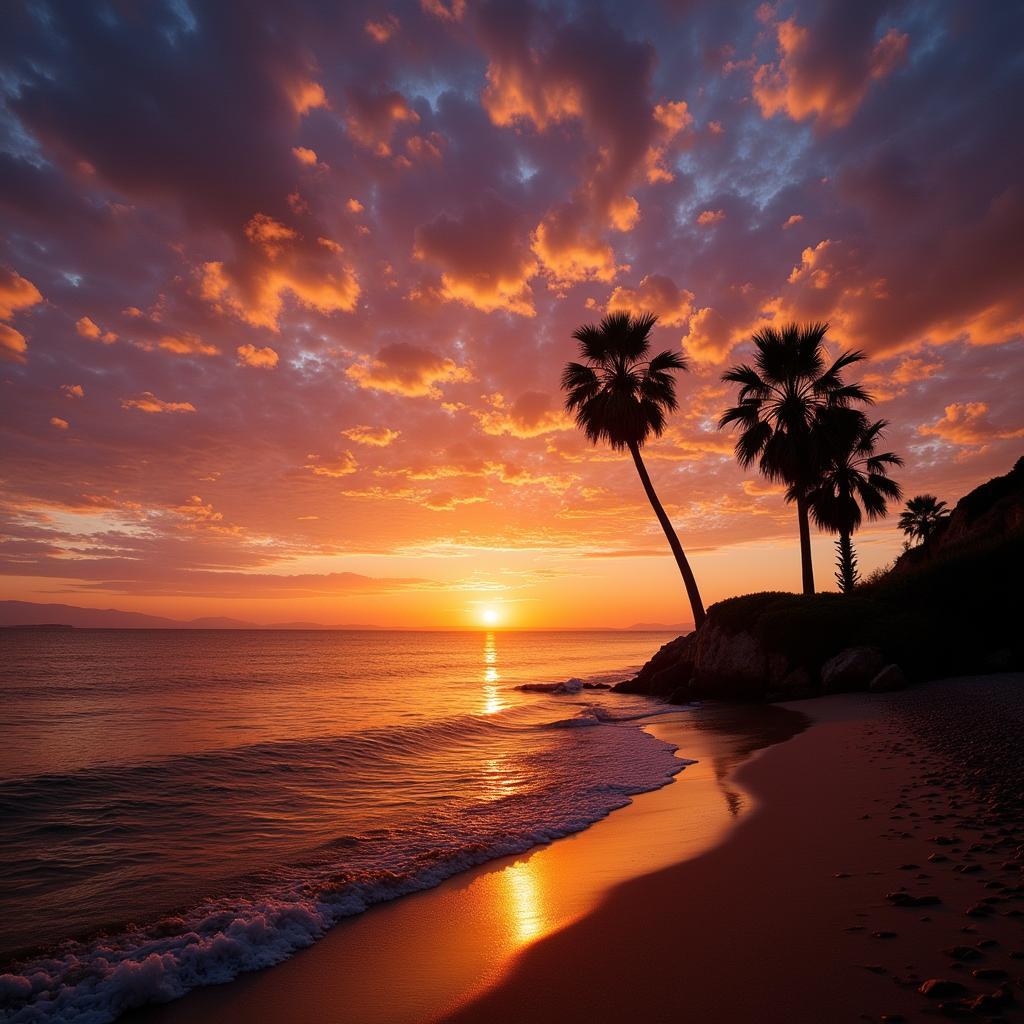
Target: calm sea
x,y
177,807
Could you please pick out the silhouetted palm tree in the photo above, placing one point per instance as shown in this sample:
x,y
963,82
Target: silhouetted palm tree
x,y
622,397
854,475
921,515
781,401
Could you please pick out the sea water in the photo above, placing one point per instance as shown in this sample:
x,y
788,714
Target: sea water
x,y
179,806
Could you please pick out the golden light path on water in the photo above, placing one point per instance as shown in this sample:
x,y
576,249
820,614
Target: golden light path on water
x,y
493,701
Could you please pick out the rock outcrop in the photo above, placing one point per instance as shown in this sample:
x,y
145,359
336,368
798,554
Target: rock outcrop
x,y
945,611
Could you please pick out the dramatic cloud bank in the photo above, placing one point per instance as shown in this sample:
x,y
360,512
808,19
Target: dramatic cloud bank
x,y
287,298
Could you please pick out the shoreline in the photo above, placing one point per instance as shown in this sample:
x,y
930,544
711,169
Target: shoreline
x,y
493,911
794,912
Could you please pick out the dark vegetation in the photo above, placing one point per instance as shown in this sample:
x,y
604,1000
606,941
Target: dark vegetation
x,y
948,607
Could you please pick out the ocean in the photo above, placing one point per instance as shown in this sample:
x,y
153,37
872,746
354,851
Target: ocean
x,y
178,806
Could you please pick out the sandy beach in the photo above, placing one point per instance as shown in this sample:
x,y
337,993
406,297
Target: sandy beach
x,y
794,874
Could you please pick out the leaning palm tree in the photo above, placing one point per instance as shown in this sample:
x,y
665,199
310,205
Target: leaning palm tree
x,y
621,396
921,516
855,475
781,399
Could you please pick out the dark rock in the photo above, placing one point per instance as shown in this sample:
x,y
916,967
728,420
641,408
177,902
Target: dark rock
x,y
890,678
962,952
905,899
981,910
851,669
942,988
989,973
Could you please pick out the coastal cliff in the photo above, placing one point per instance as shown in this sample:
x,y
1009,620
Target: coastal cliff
x,y
948,607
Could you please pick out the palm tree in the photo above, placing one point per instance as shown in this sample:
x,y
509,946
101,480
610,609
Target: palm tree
x,y
781,400
854,475
621,396
921,516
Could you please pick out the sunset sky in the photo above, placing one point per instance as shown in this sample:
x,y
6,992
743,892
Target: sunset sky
x,y
285,289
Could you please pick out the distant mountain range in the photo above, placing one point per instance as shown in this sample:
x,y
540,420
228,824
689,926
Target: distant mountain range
x,y
28,613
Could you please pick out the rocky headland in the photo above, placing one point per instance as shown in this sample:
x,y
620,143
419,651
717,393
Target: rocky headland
x,y
948,607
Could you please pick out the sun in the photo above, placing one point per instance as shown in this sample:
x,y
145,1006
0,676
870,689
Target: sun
x,y
490,616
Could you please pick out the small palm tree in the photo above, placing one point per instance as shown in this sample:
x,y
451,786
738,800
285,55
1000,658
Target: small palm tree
x,y
621,396
855,475
781,400
921,516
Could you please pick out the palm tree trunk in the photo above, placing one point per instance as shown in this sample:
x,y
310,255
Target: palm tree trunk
x,y
846,563
696,605
805,545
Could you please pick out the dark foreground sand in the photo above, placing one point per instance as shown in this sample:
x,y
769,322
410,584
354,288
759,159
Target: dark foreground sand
x,y
825,879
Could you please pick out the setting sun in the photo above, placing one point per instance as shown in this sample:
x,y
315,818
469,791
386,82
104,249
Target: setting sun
x,y
490,616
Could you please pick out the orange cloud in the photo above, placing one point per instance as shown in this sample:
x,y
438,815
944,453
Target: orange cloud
x,y
304,155
708,217
12,344
72,390
16,292
306,95
148,402
966,424
373,117
655,294
805,82
268,234
88,328
381,30
711,336
570,252
250,355
258,298
56,421
673,119
339,466
484,258
185,344
533,413
377,437
792,220
453,10
404,369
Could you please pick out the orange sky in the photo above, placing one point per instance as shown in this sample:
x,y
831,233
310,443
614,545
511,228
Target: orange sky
x,y
283,306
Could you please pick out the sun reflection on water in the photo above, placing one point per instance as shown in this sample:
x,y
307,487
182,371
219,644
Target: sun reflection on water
x,y
524,904
493,702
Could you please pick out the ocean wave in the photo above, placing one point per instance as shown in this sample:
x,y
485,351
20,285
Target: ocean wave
x,y
573,685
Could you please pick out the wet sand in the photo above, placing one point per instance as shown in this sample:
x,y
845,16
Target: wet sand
x,y
424,955
827,878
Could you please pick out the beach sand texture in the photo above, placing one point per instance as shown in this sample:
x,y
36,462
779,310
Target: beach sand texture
x,y
768,888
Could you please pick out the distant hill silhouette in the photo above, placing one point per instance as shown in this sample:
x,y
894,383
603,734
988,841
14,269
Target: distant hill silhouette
x,y
28,613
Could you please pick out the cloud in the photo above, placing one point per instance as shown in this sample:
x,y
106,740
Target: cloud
x,y
184,344
655,294
967,424
446,10
484,256
373,117
825,71
88,328
569,251
382,29
339,466
306,95
706,218
16,293
377,437
12,344
792,220
56,421
305,156
270,235
532,414
406,369
72,390
250,355
148,402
